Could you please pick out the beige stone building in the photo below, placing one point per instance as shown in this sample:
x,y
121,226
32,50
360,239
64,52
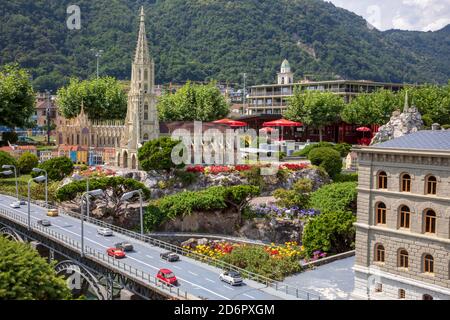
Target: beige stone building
x,y
403,219
141,123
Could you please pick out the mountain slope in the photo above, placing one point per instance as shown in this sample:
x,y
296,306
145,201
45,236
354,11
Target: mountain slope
x,y
206,39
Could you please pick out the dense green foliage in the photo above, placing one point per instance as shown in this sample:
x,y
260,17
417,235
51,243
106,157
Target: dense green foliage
x,y
37,190
24,275
9,136
346,177
27,162
157,154
331,232
57,168
17,98
335,197
102,98
297,196
114,188
193,102
220,39
342,148
314,109
6,158
184,203
326,158
257,260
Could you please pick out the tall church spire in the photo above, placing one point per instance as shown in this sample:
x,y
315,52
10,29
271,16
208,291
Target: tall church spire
x,y
142,55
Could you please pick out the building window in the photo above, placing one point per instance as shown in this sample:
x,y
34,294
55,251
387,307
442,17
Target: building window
x,y
405,217
401,294
430,221
403,259
428,264
405,183
431,185
382,180
146,137
381,213
379,253
427,297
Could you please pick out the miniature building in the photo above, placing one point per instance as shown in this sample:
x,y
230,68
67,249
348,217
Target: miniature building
x,y
403,219
95,139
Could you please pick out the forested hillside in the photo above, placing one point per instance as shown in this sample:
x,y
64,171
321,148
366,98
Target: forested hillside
x,y
215,39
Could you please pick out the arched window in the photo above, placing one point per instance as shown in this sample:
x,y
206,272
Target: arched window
x,y
405,217
405,183
382,180
427,297
401,294
146,112
430,221
403,259
381,213
282,80
146,137
379,253
431,185
428,264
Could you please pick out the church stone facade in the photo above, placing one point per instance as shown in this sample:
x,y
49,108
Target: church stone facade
x,y
141,122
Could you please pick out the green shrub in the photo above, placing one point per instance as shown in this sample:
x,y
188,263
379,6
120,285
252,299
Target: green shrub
x,y
255,259
186,178
27,162
254,177
10,137
346,177
343,149
6,158
184,203
306,150
335,197
297,196
331,232
327,158
427,120
24,275
57,168
157,154
446,126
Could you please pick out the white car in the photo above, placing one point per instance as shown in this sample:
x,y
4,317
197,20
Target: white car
x,y
15,204
105,232
231,277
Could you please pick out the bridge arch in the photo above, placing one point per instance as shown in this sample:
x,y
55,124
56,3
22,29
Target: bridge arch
x,y
70,269
10,234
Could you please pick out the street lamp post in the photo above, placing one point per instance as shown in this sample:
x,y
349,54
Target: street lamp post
x,y
94,193
98,54
129,195
78,177
38,180
47,93
46,183
10,166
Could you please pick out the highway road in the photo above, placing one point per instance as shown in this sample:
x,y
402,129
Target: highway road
x,y
194,277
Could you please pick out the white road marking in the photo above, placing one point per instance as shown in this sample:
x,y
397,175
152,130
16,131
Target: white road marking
x,y
249,296
137,260
176,267
228,287
210,280
193,273
149,256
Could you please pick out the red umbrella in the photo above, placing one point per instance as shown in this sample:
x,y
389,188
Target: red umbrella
x,y
363,129
267,129
231,123
282,123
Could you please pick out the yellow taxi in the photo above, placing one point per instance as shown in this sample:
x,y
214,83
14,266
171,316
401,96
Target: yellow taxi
x,y
52,212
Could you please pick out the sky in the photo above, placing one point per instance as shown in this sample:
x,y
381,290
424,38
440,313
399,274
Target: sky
x,y
418,15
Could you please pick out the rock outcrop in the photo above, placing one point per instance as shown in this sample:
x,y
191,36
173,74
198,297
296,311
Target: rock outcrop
x,y
400,124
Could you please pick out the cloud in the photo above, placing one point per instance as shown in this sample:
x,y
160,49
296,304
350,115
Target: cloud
x,y
421,15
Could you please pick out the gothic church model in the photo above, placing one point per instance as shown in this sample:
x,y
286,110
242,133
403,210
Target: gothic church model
x,y
141,123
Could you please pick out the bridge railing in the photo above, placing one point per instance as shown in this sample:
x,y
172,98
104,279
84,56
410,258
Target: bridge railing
x,y
110,261
278,286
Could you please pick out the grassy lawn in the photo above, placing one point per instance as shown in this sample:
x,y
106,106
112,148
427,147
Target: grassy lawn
x,y
8,185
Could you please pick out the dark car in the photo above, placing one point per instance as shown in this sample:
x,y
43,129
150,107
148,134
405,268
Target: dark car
x,y
125,246
44,223
169,256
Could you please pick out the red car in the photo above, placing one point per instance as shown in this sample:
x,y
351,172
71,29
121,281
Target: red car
x,y
116,253
167,276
